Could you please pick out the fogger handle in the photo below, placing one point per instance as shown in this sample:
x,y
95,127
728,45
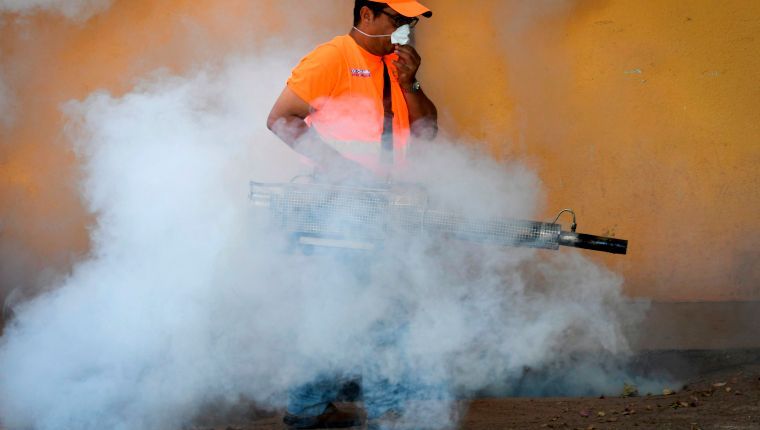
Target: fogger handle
x,y
595,243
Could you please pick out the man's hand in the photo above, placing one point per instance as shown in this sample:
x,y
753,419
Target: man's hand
x,y
407,65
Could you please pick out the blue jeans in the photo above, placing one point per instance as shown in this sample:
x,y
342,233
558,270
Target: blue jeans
x,y
309,400
377,392
379,395
384,345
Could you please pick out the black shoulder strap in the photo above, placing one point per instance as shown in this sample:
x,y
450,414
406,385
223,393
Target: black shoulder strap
x,y
387,138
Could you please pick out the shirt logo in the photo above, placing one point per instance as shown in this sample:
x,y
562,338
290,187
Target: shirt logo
x,y
361,73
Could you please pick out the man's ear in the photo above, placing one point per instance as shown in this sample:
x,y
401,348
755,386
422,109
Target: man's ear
x,y
366,14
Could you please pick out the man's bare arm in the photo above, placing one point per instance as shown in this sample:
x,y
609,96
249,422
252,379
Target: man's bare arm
x,y
287,121
423,115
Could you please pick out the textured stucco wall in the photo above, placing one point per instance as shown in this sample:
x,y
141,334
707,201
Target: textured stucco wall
x,y
642,116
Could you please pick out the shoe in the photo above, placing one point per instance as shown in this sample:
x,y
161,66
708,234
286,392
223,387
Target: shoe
x,y
330,418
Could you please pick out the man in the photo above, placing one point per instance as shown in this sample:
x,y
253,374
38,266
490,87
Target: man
x,y
351,106
353,103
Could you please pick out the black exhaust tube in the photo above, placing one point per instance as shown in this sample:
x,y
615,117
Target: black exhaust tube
x,y
594,243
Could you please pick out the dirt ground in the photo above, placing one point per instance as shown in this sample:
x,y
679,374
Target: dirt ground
x,y
723,393
727,399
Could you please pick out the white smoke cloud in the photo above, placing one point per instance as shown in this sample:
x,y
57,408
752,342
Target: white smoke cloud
x,y
77,10
189,297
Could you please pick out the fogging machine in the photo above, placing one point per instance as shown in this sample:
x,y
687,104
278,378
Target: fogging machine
x,y
325,215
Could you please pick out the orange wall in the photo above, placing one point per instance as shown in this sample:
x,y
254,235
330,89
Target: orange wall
x,y
642,116
47,60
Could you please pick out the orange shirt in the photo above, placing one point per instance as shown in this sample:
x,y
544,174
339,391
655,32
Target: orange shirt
x,y
343,83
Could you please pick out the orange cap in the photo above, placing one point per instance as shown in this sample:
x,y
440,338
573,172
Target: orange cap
x,y
409,8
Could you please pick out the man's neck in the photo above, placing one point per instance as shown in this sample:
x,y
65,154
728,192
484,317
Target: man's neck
x,y
364,42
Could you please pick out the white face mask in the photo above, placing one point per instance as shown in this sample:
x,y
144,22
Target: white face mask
x,y
400,36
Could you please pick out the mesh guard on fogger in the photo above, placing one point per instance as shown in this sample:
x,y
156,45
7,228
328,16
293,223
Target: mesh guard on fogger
x,y
352,217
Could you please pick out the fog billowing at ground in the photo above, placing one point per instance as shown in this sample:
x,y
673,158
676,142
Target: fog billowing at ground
x,y
187,295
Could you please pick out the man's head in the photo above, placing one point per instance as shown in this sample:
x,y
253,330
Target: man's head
x,y
381,18
405,8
